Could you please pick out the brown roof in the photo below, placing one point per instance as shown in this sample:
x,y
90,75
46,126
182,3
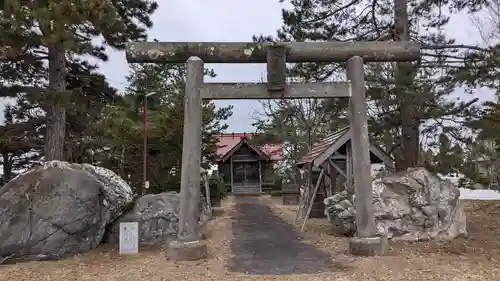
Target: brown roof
x,y
322,145
343,135
227,142
245,141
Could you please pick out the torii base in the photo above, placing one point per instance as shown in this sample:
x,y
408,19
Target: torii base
x,y
186,251
368,246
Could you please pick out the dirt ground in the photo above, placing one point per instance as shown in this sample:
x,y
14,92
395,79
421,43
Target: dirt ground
x,y
474,258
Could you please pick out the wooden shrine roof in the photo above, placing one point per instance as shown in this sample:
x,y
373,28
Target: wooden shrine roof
x,y
226,144
337,142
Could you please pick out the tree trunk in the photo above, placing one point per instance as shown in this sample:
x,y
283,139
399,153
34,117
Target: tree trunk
x,y
399,161
122,162
56,111
410,133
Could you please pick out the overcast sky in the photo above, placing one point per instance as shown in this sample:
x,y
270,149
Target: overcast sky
x,y
229,20
214,20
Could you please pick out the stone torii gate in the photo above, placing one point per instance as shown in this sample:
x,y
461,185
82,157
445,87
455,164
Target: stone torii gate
x,y
189,245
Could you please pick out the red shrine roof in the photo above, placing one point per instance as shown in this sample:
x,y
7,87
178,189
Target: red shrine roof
x,y
226,143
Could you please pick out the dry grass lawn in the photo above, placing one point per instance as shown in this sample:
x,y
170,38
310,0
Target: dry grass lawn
x,y
476,258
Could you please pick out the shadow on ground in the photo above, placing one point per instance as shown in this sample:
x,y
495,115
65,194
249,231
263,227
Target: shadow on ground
x,y
265,244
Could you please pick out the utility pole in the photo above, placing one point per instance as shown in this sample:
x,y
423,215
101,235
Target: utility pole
x,y
145,148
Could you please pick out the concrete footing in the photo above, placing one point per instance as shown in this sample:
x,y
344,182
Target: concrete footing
x,y
368,246
186,251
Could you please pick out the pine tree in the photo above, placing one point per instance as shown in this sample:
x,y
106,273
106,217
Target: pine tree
x,y
121,129
403,96
54,31
22,135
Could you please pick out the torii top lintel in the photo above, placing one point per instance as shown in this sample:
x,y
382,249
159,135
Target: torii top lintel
x,y
251,52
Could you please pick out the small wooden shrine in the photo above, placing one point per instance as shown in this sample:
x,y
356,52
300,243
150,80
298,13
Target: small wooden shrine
x,y
244,166
328,169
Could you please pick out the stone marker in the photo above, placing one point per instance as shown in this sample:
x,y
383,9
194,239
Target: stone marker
x,y
129,238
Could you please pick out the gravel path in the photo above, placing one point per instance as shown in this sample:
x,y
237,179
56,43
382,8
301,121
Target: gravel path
x,y
265,244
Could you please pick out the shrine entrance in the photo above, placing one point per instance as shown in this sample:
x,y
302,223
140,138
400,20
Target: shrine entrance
x,y
246,178
275,55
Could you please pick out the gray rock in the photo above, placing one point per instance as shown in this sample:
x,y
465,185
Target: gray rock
x,y
118,192
158,218
58,209
413,205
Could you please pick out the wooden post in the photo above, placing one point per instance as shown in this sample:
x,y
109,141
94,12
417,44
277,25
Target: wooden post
x,y
191,153
303,196
316,187
260,175
360,150
207,191
232,175
308,189
327,179
333,178
337,168
299,210
324,182
335,189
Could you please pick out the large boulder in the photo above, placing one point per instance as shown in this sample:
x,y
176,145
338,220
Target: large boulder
x,y
158,218
58,209
413,205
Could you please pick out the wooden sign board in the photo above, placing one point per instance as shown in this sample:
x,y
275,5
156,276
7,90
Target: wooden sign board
x,y
129,238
